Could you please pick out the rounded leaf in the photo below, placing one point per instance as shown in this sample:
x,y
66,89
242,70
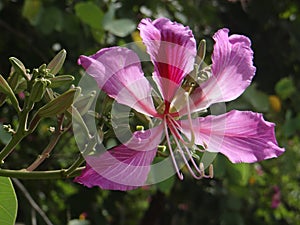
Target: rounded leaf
x,y
8,202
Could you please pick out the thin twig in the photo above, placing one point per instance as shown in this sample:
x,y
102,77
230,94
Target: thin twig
x,y
31,201
46,152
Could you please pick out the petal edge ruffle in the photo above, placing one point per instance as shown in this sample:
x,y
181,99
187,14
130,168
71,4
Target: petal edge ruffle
x,y
118,72
232,70
172,49
242,136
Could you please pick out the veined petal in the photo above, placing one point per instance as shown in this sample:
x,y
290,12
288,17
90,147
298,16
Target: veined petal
x,y
118,73
232,70
172,48
242,136
124,167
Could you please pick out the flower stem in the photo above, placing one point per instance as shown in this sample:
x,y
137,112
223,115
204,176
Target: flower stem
x,y
51,174
16,138
20,133
72,169
54,140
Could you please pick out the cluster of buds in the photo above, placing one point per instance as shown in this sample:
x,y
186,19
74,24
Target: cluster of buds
x,y
40,99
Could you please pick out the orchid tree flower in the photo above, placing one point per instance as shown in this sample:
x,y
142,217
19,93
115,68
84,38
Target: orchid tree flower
x,y
242,136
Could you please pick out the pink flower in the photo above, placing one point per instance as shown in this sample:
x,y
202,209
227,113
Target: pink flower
x,y
240,136
276,198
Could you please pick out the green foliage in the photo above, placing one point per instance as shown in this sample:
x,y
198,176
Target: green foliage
x,y
8,202
285,88
34,31
89,13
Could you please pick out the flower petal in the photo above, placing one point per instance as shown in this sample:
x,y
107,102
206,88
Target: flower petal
x,y
118,73
242,136
232,70
172,48
124,167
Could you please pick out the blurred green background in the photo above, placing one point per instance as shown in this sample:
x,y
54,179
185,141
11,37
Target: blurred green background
x,y
265,193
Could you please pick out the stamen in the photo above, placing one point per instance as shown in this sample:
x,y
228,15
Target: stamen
x,y
201,166
174,128
161,148
211,171
192,141
186,162
171,151
139,128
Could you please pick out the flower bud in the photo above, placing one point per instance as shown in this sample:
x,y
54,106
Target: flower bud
x,y
61,80
59,104
6,89
19,67
38,89
13,79
57,62
44,72
201,52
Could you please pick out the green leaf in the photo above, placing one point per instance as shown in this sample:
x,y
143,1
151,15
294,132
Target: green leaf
x,y
50,20
59,104
166,185
285,88
258,100
121,27
31,10
8,202
90,14
239,173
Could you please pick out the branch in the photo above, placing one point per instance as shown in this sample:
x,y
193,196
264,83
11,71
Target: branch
x,y
46,153
34,175
31,201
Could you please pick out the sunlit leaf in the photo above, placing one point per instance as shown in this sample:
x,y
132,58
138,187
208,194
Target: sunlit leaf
x,y
121,27
90,14
51,20
31,10
8,202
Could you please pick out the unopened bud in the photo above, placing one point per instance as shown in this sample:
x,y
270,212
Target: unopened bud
x,y
61,80
6,89
58,105
19,67
51,129
44,72
57,62
38,89
201,52
13,80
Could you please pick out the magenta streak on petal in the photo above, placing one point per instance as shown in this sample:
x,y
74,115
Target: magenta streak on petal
x,y
118,70
242,136
124,167
232,71
172,48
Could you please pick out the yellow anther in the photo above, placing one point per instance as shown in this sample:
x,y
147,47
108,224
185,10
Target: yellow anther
x,y
139,128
